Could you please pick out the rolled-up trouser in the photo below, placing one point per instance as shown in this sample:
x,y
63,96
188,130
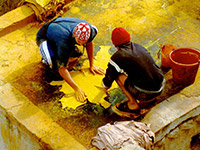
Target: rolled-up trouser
x,y
48,54
144,95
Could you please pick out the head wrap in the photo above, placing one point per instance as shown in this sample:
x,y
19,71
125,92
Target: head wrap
x,y
120,36
82,31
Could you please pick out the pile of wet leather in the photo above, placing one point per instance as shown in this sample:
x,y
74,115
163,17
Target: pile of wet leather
x,y
124,135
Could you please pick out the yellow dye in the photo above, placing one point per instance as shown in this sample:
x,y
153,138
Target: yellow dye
x,y
90,83
146,16
43,2
74,10
40,2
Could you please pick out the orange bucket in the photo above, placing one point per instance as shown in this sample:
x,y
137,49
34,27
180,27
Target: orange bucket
x,y
185,64
165,51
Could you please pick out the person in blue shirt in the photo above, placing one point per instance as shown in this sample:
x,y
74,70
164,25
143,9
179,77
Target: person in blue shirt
x,y
57,42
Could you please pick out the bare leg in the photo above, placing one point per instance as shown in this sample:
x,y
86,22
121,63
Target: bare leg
x,y
132,104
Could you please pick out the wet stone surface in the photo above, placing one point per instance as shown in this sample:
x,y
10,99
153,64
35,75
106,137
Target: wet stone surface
x,y
34,82
150,24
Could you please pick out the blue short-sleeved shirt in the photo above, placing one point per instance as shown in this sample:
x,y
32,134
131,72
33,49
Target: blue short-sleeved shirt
x,y
60,36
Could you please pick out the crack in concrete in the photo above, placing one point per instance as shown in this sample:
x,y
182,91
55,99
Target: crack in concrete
x,y
196,95
15,106
151,44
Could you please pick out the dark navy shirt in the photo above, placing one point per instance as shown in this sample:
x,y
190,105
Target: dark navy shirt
x,y
60,35
137,62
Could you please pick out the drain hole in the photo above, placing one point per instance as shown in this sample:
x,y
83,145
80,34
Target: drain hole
x,y
195,143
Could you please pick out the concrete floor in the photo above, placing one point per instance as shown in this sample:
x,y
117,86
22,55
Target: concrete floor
x,y
150,23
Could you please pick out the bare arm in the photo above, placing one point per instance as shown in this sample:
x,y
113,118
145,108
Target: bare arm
x,y
90,52
79,93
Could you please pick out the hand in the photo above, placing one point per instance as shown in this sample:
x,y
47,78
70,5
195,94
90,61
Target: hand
x,y
80,95
94,69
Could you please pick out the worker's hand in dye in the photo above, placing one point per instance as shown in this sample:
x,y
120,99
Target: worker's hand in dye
x,y
80,95
94,69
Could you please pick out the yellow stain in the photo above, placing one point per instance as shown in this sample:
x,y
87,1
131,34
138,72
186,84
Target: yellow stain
x,y
40,2
75,10
43,2
90,83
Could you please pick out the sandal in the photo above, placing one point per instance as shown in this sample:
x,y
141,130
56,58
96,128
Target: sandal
x,y
122,110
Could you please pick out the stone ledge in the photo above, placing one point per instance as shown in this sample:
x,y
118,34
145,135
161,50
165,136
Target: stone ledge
x,y
167,115
173,111
29,116
23,15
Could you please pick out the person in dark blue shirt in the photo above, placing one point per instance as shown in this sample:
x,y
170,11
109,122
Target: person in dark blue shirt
x,y
57,41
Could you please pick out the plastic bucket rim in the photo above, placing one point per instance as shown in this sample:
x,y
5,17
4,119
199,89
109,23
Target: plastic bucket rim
x,y
181,64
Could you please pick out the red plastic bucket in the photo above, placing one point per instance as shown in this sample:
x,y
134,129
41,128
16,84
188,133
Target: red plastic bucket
x,y
185,64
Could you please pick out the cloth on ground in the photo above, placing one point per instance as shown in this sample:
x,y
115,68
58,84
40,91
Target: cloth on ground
x,y
132,147
120,134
